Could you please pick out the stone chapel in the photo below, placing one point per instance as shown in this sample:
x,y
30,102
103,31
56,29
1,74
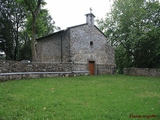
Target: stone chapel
x,y
84,47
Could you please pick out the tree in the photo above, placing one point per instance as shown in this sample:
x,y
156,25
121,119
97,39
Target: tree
x,y
18,20
19,29
34,7
2,41
44,26
12,19
25,45
132,27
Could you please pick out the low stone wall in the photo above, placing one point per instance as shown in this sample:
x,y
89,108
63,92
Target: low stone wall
x,y
142,72
105,69
11,70
28,75
12,66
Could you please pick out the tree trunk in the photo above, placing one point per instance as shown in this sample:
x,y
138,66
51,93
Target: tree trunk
x,y
33,41
34,16
16,42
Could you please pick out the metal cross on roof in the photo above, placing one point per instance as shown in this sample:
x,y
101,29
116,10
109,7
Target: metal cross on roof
x,y
90,10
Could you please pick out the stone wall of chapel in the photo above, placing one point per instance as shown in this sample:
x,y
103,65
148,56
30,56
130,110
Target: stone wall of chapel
x,y
89,44
49,49
53,49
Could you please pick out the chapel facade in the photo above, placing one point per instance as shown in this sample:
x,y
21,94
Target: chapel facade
x,y
84,47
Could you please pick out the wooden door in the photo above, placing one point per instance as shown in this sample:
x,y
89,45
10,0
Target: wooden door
x,y
91,67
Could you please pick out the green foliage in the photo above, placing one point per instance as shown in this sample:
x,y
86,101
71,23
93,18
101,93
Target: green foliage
x,y
25,51
133,27
16,27
44,24
120,54
104,97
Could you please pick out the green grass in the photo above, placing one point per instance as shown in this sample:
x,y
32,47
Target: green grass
x,y
106,97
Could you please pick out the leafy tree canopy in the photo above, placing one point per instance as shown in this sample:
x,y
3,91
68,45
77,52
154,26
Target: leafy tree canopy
x,y
20,22
133,28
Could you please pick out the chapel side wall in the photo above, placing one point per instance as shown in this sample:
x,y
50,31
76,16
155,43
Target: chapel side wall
x,y
65,47
49,49
82,52
53,49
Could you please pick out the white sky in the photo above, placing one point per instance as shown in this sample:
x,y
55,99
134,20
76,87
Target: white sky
x,y
67,13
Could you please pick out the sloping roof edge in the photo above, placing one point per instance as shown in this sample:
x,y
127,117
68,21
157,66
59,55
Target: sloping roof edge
x,y
52,34
77,26
63,31
100,31
59,32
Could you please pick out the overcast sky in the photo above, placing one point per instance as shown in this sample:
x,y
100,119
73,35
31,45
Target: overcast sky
x,y
67,13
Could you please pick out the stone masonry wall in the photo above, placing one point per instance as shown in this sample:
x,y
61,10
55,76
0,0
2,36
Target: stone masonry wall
x,y
49,50
83,51
142,72
12,70
54,48
99,68
28,75
105,69
79,67
8,67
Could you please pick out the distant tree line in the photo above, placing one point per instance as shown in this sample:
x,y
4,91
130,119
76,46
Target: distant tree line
x,y
133,29
21,22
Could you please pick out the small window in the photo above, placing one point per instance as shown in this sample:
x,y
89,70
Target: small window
x,y
91,43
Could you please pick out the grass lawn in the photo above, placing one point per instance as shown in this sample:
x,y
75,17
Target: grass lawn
x,y
105,97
